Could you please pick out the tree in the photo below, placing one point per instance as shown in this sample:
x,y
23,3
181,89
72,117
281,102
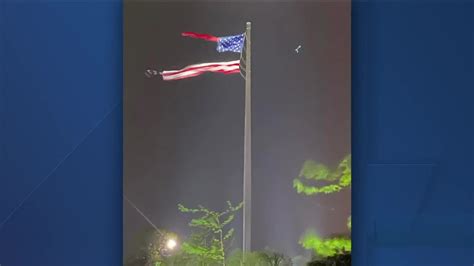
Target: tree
x,y
335,180
338,260
210,242
274,258
327,181
152,248
326,247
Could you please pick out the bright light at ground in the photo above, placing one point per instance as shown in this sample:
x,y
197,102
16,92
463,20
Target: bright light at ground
x,y
171,243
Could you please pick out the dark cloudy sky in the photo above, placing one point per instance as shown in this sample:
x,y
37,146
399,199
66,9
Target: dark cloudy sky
x,y
183,140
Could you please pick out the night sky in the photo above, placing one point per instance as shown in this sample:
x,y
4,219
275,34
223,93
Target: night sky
x,y
183,140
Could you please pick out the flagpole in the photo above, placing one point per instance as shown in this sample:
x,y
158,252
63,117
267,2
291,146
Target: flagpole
x,y
247,186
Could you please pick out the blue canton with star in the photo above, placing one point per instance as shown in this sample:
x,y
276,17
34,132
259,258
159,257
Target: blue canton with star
x,y
231,44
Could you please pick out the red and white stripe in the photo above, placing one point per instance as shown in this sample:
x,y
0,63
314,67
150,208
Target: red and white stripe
x,y
195,35
230,67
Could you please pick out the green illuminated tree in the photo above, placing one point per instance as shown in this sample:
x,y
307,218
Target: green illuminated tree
x,y
326,247
209,243
333,180
325,181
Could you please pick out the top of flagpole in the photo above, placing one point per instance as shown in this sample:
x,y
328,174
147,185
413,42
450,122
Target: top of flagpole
x,y
248,24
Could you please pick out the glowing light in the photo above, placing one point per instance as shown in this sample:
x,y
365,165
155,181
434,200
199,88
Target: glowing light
x,y
171,243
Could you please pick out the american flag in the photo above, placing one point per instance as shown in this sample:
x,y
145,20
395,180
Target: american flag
x,y
233,43
230,67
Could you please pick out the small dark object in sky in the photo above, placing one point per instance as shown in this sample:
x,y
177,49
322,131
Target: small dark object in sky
x,y
298,49
151,73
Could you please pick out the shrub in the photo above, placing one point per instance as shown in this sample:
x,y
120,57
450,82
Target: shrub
x,y
337,260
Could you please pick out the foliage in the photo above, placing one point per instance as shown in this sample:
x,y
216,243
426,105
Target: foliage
x,y
151,248
274,258
337,260
236,258
183,259
334,180
239,258
326,247
328,181
209,243
258,258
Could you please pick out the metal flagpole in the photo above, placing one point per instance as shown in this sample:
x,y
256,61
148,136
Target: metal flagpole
x,y
247,186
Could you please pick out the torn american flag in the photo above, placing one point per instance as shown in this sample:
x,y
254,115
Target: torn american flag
x,y
234,43
229,67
